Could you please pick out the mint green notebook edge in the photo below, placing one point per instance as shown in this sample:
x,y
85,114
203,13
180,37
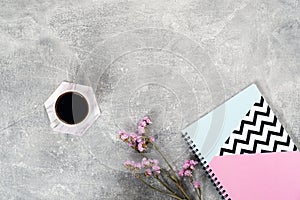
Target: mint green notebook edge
x,y
209,133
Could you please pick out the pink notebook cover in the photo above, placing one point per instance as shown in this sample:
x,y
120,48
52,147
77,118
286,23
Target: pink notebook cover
x,y
250,156
264,176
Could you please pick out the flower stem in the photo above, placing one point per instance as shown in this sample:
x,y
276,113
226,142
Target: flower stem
x,y
198,190
158,190
169,175
170,166
199,193
165,185
175,178
165,159
162,155
182,190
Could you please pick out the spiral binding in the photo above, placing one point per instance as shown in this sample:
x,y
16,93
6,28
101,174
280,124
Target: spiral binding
x,y
205,166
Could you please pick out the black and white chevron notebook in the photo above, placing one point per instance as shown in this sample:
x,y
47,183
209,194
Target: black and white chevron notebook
x,y
246,151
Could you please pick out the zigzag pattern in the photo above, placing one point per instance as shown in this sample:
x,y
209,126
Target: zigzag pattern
x,y
259,132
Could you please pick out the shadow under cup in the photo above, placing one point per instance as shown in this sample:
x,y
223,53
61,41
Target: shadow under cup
x,y
71,107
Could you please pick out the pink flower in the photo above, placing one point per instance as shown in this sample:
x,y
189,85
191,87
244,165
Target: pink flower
x,y
196,184
187,162
122,132
192,167
187,168
193,162
130,164
131,145
138,165
155,162
145,162
186,165
188,173
181,173
142,123
139,139
147,120
123,135
152,139
129,138
141,147
149,166
141,130
148,172
133,136
156,168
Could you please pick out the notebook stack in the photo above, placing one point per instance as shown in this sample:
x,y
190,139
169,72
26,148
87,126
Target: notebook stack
x,y
246,151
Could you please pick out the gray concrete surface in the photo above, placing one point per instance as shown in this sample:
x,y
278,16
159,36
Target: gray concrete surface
x,y
173,60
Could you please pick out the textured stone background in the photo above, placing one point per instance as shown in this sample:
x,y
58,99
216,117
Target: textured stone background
x,y
173,60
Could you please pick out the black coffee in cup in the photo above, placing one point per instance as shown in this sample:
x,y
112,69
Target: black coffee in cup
x,y
71,107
